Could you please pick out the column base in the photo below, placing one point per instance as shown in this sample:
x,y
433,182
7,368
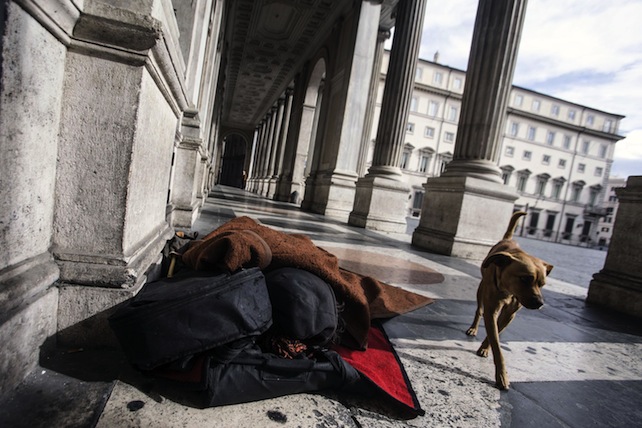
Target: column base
x,y
331,195
622,293
113,271
380,204
184,217
463,216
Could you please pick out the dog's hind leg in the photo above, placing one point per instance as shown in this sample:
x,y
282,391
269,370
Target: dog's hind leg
x,y
472,330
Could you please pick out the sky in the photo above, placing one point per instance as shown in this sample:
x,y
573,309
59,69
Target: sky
x,y
585,51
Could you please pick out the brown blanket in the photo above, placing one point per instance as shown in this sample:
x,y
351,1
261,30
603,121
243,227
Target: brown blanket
x,y
243,243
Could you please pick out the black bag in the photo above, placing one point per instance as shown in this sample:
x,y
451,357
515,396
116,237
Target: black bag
x,y
193,312
304,306
255,375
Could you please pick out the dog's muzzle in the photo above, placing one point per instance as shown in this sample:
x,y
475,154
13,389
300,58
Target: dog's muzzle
x,y
534,302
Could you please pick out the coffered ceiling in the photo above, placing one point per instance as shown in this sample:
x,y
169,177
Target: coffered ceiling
x,y
267,43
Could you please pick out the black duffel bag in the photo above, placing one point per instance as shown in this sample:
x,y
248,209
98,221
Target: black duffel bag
x,y
192,312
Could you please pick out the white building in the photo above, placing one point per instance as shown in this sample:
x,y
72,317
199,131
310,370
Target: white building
x,y
610,204
557,154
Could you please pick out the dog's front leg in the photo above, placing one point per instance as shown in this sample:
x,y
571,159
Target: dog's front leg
x,y
472,330
492,331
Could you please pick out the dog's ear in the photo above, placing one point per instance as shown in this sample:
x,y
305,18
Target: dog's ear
x,y
549,268
501,259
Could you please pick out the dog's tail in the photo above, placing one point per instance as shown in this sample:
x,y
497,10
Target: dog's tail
x,y
513,222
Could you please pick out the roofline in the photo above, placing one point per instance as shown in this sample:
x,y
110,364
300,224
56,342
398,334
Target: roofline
x,y
532,91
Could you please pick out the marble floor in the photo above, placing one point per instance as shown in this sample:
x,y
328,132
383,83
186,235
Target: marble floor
x,y
570,365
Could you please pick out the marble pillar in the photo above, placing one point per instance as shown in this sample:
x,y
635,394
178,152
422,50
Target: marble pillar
x,y
467,209
330,189
286,185
270,177
382,36
280,147
184,201
618,285
381,195
265,154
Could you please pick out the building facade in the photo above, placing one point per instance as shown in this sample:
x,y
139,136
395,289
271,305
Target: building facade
x,y
555,153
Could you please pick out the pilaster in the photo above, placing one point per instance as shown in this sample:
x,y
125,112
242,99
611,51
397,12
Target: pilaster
x,y
618,285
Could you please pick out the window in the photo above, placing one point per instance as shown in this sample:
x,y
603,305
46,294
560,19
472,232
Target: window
x,y
586,145
405,160
603,149
567,142
594,193
541,185
561,163
527,155
550,138
577,191
413,104
536,105
555,110
449,137
457,83
433,108
608,125
571,115
590,119
424,162
509,151
557,188
606,229
531,133
546,159
518,100
581,167
599,171
429,132
444,161
410,127
452,114
521,182
507,171
418,200
437,78
419,73
514,129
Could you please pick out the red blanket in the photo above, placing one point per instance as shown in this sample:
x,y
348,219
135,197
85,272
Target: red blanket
x,y
243,243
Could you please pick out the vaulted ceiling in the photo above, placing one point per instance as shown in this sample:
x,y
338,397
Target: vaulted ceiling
x,y
268,42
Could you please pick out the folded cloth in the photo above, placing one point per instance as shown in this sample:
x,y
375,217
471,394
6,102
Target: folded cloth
x,y
364,298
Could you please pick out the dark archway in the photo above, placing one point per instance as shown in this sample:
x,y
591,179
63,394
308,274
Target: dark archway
x,y
233,163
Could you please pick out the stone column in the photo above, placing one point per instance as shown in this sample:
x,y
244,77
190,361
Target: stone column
x,y
256,163
381,195
467,209
618,285
270,180
280,146
382,36
285,182
253,151
187,157
330,188
265,155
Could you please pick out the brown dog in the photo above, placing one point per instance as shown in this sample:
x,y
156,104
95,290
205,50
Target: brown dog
x,y
511,278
